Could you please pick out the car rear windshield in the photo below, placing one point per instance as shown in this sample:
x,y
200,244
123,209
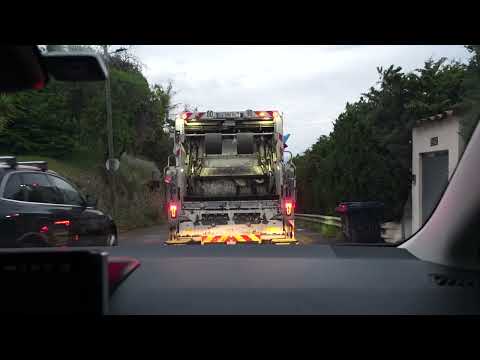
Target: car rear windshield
x,y
31,187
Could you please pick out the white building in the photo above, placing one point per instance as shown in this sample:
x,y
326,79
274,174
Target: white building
x,y
436,149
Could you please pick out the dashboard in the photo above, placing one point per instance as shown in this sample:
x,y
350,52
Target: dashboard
x,y
301,280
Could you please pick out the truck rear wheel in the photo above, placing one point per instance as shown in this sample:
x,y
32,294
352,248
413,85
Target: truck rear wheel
x,y
245,143
213,143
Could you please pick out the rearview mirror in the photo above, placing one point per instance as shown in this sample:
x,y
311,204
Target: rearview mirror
x,y
64,66
24,67
21,68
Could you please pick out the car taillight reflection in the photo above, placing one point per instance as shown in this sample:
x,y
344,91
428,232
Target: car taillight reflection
x,y
119,268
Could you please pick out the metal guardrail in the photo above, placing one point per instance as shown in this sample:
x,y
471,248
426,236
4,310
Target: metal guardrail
x,y
391,232
322,219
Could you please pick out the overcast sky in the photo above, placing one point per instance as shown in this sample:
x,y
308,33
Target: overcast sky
x,y
309,84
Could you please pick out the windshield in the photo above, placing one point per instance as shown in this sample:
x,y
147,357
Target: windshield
x,y
220,145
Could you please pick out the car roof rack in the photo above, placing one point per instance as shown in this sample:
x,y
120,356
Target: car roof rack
x,y
12,162
42,165
9,160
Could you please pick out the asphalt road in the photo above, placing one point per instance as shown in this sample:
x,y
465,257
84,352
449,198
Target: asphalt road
x,y
156,235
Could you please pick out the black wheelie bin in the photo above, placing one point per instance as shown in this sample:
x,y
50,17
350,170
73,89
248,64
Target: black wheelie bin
x,y
362,221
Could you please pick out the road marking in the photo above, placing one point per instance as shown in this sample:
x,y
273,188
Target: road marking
x,y
153,241
239,238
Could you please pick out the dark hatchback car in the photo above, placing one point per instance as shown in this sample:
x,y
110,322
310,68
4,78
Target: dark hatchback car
x,y
38,207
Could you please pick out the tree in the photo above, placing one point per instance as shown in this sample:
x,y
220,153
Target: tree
x,y
158,144
368,154
470,105
65,118
7,110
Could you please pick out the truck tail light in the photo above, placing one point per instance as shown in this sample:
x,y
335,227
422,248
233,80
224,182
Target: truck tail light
x,y
173,210
265,115
199,116
289,205
186,115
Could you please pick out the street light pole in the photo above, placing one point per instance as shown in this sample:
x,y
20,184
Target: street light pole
x,y
111,155
108,100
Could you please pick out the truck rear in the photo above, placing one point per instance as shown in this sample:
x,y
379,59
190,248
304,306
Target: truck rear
x,y
228,181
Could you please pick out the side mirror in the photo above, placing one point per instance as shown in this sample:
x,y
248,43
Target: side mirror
x,y
90,201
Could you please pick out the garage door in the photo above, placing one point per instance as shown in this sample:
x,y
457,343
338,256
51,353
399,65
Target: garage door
x,y
434,180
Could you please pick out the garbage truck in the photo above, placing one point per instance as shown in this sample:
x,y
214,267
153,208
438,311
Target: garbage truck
x,y
230,180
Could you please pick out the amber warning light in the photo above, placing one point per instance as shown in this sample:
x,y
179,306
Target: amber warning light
x,y
188,116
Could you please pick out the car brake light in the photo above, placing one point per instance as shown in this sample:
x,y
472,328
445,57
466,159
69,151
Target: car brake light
x,y
62,222
289,207
173,210
44,229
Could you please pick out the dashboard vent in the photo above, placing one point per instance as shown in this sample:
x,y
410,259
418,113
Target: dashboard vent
x,y
449,281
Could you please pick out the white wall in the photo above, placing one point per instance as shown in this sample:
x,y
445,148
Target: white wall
x,y
406,221
447,131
